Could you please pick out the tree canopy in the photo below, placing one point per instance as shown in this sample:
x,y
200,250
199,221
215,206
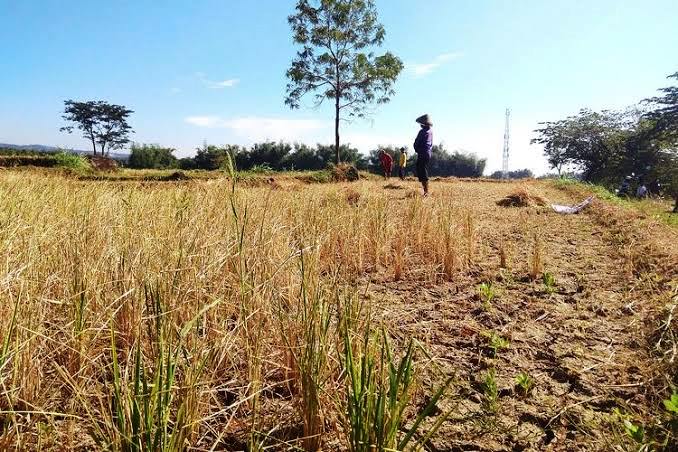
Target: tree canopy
x,y
516,174
608,145
665,111
102,123
151,156
336,59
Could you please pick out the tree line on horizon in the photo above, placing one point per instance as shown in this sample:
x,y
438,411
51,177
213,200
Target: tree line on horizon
x,y
282,156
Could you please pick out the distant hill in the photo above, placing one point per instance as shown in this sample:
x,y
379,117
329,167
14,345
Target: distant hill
x,y
30,147
43,148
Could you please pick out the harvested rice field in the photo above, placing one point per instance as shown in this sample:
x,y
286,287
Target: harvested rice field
x,y
212,315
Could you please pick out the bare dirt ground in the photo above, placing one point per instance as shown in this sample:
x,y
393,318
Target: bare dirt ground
x,y
587,342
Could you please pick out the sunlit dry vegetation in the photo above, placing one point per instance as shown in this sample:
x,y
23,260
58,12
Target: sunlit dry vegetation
x,y
210,315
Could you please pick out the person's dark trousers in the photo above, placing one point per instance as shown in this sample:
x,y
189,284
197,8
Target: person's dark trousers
x,y
423,162
401,172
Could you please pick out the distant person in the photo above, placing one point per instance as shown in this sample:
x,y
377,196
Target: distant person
x,y
386,163
654,188
402,163
422,146
625,188
641,192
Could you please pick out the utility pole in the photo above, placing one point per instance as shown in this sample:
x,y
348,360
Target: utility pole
x,y
505,165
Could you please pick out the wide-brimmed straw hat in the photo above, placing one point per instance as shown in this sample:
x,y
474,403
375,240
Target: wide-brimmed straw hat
x,y
425,120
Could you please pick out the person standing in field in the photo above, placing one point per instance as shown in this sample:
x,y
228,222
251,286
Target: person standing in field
x,y
402,162
422,146
386,163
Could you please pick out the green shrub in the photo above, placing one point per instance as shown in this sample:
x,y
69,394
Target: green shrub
x,y
490,392
68,160
525,382
261,169
151,156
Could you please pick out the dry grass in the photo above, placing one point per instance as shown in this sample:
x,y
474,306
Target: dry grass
x,y
522,198
234,298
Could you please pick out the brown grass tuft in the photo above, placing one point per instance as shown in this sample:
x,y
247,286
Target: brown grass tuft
x,y
522,198
352,197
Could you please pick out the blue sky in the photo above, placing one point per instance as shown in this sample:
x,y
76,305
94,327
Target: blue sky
x,y
214,70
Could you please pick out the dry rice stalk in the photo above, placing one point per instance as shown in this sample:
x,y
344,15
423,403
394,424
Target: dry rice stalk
x,y
469,237
536,262
503,254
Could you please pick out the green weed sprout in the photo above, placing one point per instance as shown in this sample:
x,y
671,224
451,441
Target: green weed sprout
x,y
490,392
487,294
525,382
549,282
496,342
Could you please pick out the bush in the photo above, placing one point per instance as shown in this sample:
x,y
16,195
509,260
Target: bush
x,y
186,163
151,156
59,159
517,174
71,161
210,157
261,169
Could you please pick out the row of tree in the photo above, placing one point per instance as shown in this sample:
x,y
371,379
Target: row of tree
x,y
606,146
281,156
517,174
271,156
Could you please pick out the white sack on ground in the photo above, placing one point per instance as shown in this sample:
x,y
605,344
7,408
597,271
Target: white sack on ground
x,y
572,209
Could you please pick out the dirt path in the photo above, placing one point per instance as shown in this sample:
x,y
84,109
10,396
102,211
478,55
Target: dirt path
x,y
583,344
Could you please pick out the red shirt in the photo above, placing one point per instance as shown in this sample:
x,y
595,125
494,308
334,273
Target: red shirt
x,y
386,160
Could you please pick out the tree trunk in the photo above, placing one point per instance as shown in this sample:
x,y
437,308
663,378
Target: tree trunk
x,y
336,128
94,145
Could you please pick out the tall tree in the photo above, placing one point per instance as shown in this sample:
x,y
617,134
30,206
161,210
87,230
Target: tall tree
x,y
336,60
591,141
665,112
665,131
100,122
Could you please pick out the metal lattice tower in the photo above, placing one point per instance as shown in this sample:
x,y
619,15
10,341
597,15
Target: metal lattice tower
x,y
505,165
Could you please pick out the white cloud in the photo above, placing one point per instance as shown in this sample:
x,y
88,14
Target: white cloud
x,y
203,121
175,90
223,84
422,69
255,128
228,83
